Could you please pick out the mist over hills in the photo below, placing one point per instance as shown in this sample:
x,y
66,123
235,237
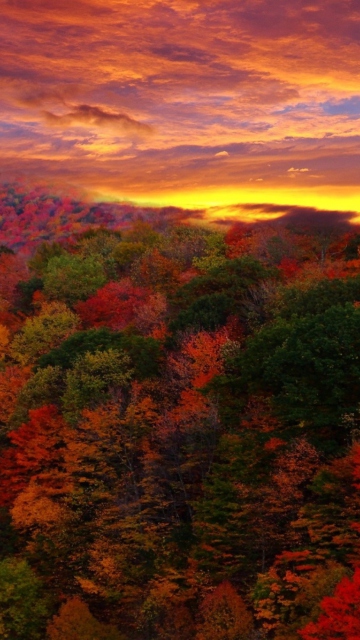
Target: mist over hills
x,y
31,215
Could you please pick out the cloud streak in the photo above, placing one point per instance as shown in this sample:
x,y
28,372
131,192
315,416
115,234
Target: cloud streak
x,y
92,116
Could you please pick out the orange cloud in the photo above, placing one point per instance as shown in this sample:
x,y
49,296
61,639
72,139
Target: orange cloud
x,y
274,85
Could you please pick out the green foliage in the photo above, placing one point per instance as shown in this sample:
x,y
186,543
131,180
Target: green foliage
x,y
144,352
145,355
208,313
125,253
352,248
25,292
92,377
8,535
221,520
214,254
43,254
44,387
318,298
43,332
77,345
70,278
184,243
144,233
207,300
234,278
101,244
311,366
23,608
277,248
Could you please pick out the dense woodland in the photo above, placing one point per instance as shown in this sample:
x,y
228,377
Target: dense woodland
x,y
180,427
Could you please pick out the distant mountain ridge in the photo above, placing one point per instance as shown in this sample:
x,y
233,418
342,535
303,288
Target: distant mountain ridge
x,y
29,216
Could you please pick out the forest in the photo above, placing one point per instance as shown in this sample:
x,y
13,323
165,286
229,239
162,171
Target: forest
x,y
179,425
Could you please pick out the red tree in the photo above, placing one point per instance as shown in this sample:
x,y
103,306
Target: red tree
x,y
341,617
114,305
37,448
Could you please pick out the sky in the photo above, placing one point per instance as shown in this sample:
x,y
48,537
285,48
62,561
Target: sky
x,y
239,107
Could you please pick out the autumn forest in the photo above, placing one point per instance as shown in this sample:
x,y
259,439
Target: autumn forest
x,y
179,424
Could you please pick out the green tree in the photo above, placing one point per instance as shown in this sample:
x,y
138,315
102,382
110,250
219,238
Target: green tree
x,y
208,313
91,379
98,242
44,387
230,511
43,254
352,248
214,254
25,292
310,365
78,344
317,298
125,253
233,278
144,233
70,278
144,352
101,245
184,243
23,607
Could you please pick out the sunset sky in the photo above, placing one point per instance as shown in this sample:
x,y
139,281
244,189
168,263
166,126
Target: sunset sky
x,y
216,104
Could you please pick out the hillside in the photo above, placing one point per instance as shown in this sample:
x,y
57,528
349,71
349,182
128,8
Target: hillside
x,y
31,216
179,426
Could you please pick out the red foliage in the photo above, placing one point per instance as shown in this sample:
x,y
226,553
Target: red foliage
x,y
114,305
10,320
340,619
239,240
157,272
237,233
36,448
274,443
289,268
12,270
31,215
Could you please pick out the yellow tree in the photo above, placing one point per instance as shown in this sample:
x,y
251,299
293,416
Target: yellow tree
x,y
43,332
75,622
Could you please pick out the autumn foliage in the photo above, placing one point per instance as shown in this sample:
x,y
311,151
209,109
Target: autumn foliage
x,y
340,617
179,426
224,616
115,305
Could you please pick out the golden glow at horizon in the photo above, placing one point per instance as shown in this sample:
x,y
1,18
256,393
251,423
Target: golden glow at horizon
x,y
221,204
186,103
